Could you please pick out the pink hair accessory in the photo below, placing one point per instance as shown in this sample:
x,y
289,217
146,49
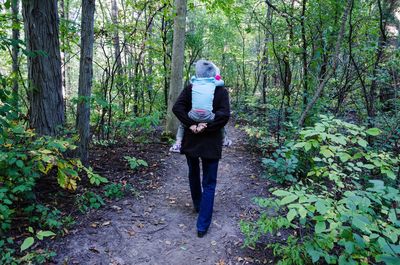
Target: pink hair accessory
x,y
218,77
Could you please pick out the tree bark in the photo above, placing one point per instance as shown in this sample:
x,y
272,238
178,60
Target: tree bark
x,y
178,52
85,78
44,70
117,53
15,51
304,54
164,36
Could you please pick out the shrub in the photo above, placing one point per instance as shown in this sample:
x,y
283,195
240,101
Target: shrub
x,y
333,150
344,207
118,190
88,200
135,163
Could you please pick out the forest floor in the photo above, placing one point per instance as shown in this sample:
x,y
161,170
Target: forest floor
x,y
159,225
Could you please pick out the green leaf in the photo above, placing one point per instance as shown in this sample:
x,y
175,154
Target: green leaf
x,y
326,153
320,227
362,142
41,234
374,131
321,207
299,145
389,260
281,193
315,255
19,164
344,157
288,199
291,215
28,242
360,222
389,173
307,146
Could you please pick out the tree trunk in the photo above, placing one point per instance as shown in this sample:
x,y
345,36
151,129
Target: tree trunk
x,y
44,70
64,55
15,51
117,53
178,52
164,36
304,54
85,78
329,72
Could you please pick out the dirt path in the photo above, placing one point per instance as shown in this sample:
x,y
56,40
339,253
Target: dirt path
x,y
159,226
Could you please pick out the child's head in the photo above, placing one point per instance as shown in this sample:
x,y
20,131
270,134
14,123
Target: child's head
x,y
205,68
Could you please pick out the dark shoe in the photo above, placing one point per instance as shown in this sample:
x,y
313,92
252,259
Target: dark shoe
x,y
201,233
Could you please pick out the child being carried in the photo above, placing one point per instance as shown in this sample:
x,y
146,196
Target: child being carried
x,y
203,88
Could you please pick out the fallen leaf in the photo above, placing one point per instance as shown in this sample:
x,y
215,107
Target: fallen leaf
x,y
115,207
220,262
106,223
93,249
131,232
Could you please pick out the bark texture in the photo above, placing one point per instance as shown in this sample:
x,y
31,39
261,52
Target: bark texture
x,y
178,52
44,67
85,78
15,50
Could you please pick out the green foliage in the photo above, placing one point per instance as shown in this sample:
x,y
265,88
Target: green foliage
x,y
46,217
143,125
8,254
117,190
94,178
343,206
29,241
333,150
24,158
135,163
89,200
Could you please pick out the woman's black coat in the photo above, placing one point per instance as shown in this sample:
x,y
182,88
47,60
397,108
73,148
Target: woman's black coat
x,y
207,144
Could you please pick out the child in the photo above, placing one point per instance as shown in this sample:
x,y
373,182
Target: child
x,y
203,87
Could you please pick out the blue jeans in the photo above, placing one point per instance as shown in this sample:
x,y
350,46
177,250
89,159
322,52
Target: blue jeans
x,y
203,199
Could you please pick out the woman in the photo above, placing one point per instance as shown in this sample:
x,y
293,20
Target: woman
x,y
203,141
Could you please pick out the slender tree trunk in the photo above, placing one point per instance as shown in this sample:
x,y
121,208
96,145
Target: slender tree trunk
x,y
164,32
178,52
117,53
149,79
85,78
304,55
329,72
44,71
64,54
15,51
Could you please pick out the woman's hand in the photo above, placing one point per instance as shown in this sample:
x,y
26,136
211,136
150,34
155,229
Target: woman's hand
x,y
201,126
193,128
198,128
